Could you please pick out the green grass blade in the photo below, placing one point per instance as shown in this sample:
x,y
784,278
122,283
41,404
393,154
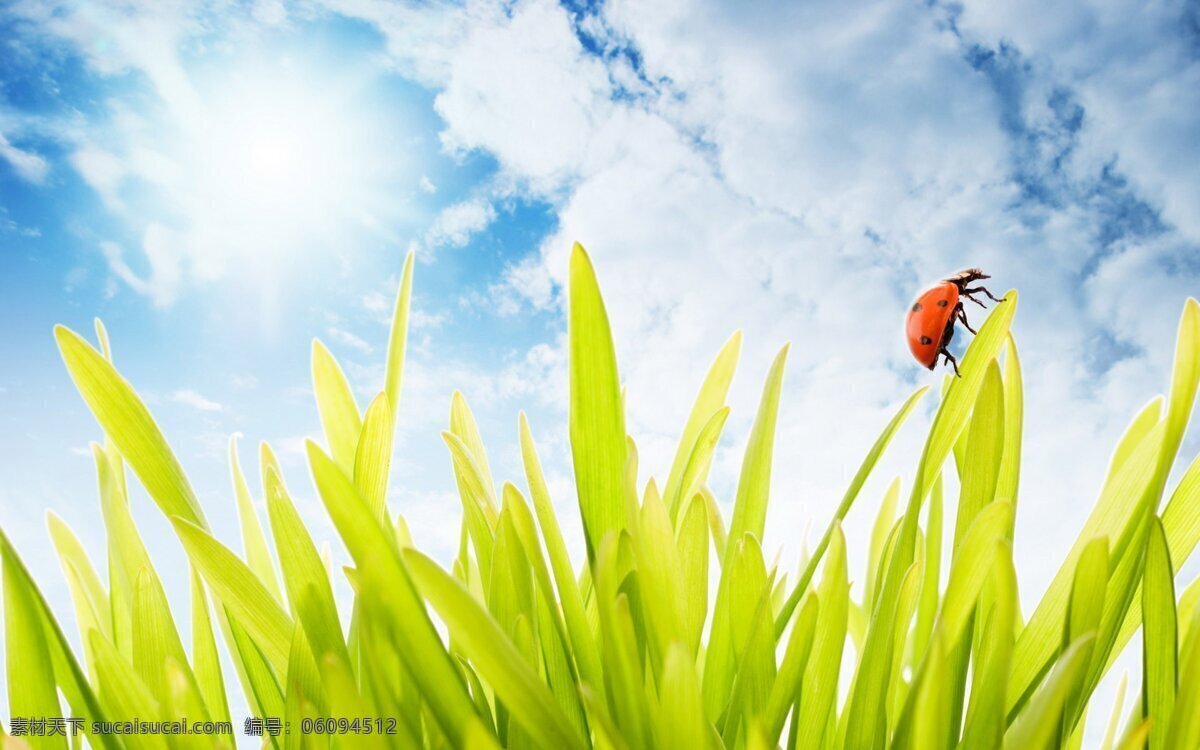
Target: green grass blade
x,y
785,691
156,641
373,456
1185,381
951,417
1085,614
559,669
660,575
254,541
1037,726
124,693
927,607
709,400
493,654
305,695
31,688
388,591
583,645
398,340
206,661
125,419
986,716
29,606
1181,521
1159,637
1185,719
972,566
621,651
1041,637
692,541
680,720
90,600
754,484
340,417
1110,733
985,441
240,591
819,689
479,513
1014,416
860,478
463,426
716,524
91,591
885,520
309,591
597,414
695,472
738,594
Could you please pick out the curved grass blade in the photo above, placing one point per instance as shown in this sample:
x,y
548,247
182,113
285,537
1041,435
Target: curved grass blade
x,y
31,689
1159,637
340,417
125,419
860,478
583,645
819,689
373,456
304,575
709,401
29,605
754,483
398,340
240,591
493,654
597,413
388,594
206,662
254,541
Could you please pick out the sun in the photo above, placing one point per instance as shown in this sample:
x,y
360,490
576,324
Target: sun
x,y
275,159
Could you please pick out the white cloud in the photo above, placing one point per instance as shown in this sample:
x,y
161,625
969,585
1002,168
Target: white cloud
x,y
188,397
455,224
1135,71
377,302
164,254
798,171
346,338
427,185
28,165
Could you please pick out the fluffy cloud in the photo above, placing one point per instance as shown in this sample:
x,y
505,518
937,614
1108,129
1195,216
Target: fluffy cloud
x,y
455,224
28,165
798,171
191,398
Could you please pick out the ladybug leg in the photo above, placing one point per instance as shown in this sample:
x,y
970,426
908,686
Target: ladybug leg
x,y
983,289
951,360
962,315
967,293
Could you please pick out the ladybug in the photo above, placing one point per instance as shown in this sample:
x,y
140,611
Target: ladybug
x,y
929,326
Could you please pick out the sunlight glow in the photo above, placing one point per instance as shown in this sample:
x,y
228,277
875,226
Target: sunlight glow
x,y
275,162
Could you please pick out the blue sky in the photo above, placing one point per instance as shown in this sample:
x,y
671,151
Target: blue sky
x,y
221,182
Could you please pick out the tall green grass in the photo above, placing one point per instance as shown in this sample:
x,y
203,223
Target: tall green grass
x,y
519,646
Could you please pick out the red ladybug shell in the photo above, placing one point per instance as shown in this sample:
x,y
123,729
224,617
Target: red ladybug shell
x,y
927,319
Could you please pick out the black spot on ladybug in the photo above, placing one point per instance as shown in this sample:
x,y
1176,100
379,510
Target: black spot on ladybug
x,y
916,307
942,303
926,340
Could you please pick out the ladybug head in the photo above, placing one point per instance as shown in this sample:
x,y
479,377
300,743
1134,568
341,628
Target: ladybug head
x,y
966,276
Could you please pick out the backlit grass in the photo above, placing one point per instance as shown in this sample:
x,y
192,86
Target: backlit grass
x,y
630,647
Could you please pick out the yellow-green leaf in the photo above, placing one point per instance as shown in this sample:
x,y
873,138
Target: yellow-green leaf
x,y
597,414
